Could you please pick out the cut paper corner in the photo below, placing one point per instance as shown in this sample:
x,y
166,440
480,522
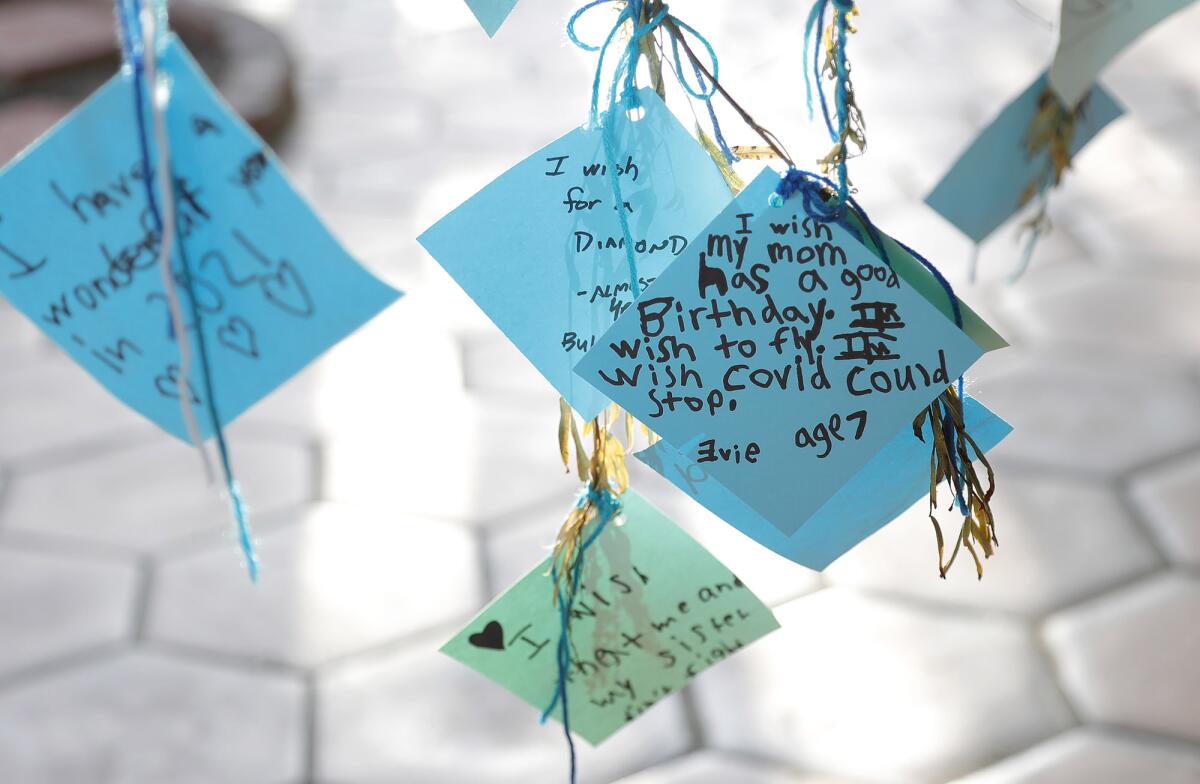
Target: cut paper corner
x,y
646,579
996,157
82,253
491,14
885,488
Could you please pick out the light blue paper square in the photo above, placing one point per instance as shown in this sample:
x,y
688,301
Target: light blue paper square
x,y
491,13
528,247
983,188
895,479
816,382
79,252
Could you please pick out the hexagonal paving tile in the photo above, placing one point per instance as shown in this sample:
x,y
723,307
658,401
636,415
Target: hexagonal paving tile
x,y
143,718
1082,413
148,495
1169,497
343,579
1088,756
420,716
863,688
712,767
1130,658
1146,313
1060,540
468,460
56,604
492,365
515,549
54,405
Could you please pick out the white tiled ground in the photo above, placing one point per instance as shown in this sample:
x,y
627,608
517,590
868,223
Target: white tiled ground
x,y
412,473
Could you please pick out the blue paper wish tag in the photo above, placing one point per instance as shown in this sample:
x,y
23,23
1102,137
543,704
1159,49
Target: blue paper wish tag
x,y
79,253
491,13
541,250
791,350
984,187
895,479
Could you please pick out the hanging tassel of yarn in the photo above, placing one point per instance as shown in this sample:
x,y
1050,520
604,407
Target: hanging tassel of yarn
x,y
845,122
1049,138
143,33
953,461
598,506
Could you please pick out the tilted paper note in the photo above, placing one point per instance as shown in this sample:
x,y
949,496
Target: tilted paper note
x,y
1092,32
791,350
895,479
79,252
983,188
654,610
541,248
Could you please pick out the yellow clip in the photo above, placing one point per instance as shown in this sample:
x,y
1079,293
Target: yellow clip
x,y
752,152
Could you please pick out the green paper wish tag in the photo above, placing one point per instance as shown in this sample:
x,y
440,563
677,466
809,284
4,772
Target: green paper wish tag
x,y
654,608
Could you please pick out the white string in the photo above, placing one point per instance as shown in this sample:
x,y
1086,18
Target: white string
x,y
166,189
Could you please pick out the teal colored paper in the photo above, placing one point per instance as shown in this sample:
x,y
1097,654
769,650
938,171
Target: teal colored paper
x,y
983,188
1092,32
79,254
895,479
513,246
491,13
850,334
656,610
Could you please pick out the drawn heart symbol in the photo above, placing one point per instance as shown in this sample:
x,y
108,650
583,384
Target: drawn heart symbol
x,y
237,335
286,290
168,384
492,637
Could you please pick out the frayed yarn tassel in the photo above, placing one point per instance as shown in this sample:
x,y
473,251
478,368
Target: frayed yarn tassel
x,y
952,460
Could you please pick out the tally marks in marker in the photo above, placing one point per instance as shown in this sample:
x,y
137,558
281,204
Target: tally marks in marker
x,y
140,57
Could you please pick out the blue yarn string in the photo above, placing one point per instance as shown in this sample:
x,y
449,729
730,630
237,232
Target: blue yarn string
x,y
623,97
813,190
608,506
133,51
813,29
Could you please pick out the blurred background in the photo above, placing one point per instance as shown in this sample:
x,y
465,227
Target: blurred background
x,y
412,473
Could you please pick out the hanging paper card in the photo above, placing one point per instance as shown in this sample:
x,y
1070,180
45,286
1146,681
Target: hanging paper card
x,y
491,13
654,610
1092,32
985,185
895,479
541,248
787,346
80,252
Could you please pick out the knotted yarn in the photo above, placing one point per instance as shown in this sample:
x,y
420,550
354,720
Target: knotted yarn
x,y
642,17
141,58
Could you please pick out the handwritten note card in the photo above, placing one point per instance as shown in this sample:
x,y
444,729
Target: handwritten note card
x,y
79,253
491,13
1092,32
656,609
541,249
895,479
784,349
983,188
